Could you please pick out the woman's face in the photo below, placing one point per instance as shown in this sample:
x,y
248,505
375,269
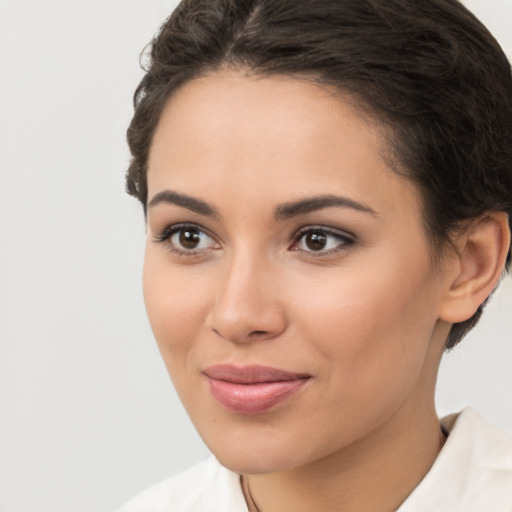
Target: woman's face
x,y
287,274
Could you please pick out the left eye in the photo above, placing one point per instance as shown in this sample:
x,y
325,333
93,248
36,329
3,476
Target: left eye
x,y
191,239
186,239
322,241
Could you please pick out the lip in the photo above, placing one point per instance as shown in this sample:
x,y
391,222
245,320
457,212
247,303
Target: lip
x,y
252,389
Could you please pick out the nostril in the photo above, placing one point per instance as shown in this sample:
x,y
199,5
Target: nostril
x,y
248,336
257,333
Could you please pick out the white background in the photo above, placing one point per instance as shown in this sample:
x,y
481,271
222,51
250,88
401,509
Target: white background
x,y
88,415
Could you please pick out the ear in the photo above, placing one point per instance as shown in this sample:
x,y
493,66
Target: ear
x,y
481,254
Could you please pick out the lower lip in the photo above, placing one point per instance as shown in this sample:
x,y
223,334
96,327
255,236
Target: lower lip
x,y
253,398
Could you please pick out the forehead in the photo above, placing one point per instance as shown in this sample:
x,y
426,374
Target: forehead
x,y
276,136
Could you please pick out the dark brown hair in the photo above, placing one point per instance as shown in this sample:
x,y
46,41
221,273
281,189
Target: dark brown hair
x,y
427,69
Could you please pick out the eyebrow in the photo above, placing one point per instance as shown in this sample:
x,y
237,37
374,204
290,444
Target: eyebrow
x,y
190,203
311,204
282,212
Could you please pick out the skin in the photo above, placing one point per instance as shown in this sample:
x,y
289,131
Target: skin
x,y
366,319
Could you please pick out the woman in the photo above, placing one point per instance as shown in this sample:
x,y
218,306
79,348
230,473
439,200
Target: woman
x,y
328,193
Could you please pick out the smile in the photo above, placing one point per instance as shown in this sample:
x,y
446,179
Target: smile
x,y
252,389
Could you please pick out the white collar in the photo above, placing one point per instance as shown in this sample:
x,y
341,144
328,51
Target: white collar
x,y
473,472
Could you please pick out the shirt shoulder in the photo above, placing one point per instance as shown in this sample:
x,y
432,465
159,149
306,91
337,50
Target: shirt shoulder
x,y
206,487
473,472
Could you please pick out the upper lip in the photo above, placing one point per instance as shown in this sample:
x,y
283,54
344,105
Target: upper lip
x,y
251,374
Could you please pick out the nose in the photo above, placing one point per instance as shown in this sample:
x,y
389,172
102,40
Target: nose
x,y
248,305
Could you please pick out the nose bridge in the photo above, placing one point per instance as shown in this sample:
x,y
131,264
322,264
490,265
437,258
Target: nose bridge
x,y
247,303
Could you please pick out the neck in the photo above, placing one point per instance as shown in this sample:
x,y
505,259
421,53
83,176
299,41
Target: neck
x,y
375,473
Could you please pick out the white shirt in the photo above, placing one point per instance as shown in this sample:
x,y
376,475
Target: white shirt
x,y
473,473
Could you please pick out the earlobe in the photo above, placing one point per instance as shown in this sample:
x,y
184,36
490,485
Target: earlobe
x,y
482,251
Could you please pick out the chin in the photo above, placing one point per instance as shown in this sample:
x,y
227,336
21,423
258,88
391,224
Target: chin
x,y
259,449
255,462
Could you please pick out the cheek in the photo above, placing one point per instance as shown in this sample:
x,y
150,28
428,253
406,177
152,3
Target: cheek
x,y
369,346
370,327
175,305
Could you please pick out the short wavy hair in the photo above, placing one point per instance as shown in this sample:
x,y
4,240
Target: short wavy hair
x,y
427,69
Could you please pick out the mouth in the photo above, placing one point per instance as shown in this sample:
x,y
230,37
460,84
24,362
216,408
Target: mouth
x,y
252,389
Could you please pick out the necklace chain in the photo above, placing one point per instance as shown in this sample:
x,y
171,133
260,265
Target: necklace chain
x,y
247,495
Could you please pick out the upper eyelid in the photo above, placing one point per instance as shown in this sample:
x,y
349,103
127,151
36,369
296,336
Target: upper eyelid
x,y
171,229
341,233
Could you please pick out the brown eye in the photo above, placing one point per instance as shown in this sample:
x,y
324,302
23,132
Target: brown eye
x,y
315,241
322,241
189,238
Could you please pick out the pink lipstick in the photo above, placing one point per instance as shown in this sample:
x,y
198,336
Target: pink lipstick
x,y
252,389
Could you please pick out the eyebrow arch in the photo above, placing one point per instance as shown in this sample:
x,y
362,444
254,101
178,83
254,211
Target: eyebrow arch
x,y
311,204
190,203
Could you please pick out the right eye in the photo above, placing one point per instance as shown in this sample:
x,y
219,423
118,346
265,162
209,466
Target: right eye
x,y
186,239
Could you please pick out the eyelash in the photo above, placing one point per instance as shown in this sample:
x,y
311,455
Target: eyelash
x,y
166,235
345,240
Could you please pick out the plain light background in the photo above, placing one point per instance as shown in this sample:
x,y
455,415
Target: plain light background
x,y
88,415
